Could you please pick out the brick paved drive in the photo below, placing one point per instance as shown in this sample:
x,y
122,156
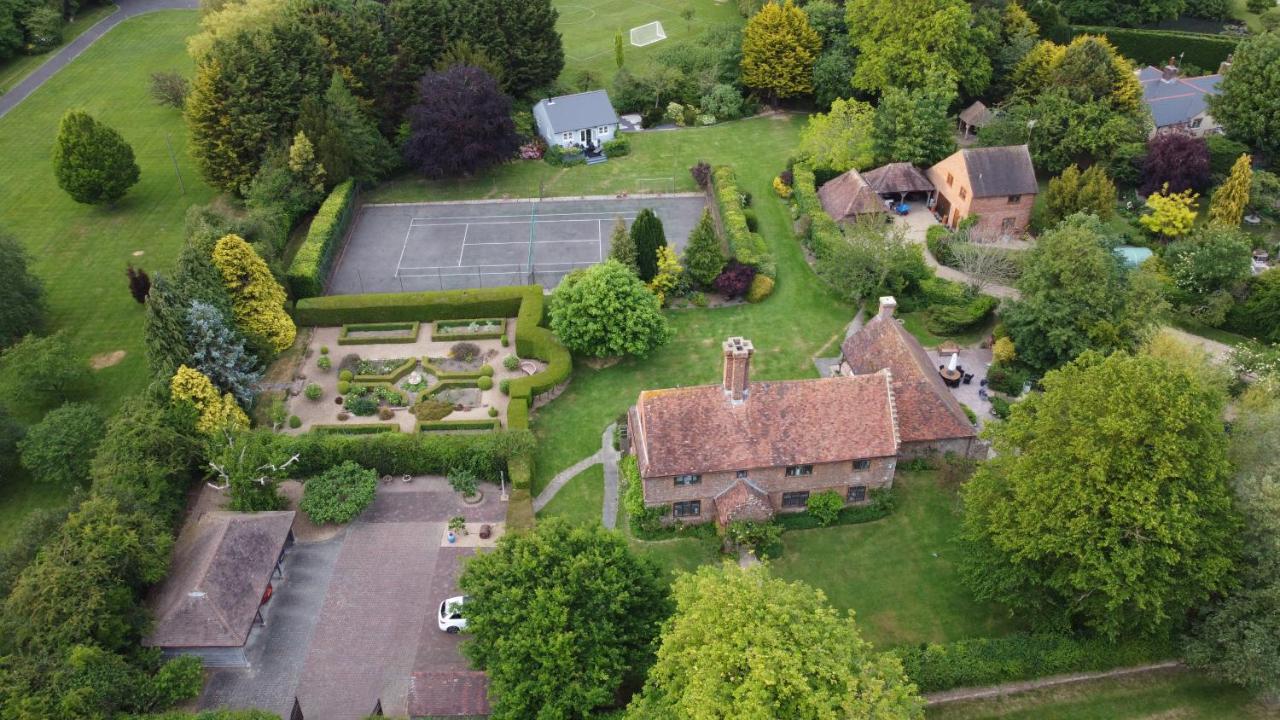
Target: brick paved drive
x,y
372,620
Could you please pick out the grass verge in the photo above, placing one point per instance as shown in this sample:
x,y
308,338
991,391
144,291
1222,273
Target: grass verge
x,y
580,500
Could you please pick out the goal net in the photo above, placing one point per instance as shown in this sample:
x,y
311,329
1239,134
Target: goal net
x,y
647,34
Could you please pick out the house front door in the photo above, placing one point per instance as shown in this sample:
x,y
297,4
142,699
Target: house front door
x,y
586,136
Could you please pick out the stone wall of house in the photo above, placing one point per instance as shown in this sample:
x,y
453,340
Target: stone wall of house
x,y
838,476
971,447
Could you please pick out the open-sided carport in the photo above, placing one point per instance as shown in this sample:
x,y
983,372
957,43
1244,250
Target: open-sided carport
x,y
452,245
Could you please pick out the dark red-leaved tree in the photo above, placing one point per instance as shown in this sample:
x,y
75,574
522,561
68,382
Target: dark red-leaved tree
x,y
139,283
1177,159
460,125
735,279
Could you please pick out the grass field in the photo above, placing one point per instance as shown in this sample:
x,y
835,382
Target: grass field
x,y
1178,694
589,27
898,574
81,251
580,500
13,71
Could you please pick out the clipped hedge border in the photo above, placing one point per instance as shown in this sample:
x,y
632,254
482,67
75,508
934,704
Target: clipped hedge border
x,y
355,429
390,378
747,247
440,329
398,453
1155,47
822,235
520,513
447,425
453,384
447,374
310,267
345,339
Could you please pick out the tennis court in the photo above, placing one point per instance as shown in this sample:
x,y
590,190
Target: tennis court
x,y
454,245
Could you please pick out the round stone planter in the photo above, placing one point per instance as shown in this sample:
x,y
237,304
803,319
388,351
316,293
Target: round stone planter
x,y
475,499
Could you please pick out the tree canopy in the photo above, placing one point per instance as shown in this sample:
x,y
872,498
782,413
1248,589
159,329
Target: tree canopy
x,y
461,124
92,162
840,139
703,258
912,125
1107,505
559,618
58,449
743,644
1248,102
22,296
899,42
605,310
1090,192
1077,296
778,50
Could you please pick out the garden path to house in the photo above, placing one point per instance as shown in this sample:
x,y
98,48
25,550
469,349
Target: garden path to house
x,y
72,50
609,456
1012,688
917,224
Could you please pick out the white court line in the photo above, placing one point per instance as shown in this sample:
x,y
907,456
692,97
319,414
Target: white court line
x,y
463,250
520,215
526,242
455,267
403,248
600,241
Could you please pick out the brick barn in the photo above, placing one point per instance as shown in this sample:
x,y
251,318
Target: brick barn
x,y
998,184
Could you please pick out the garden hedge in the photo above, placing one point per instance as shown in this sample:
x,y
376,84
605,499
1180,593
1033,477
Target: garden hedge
x,y
450,374
355,428
1155,47
745,246
440,331
310,266
448,425
397,453
376,339
1022,656
390,378
821,235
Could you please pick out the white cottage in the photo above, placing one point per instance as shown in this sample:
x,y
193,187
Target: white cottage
x,y
585,120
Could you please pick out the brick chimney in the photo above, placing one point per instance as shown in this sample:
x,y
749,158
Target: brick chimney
x,y
1170,72
737,368
888,306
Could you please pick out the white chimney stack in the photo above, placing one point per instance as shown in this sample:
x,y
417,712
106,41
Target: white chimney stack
x,y
888,306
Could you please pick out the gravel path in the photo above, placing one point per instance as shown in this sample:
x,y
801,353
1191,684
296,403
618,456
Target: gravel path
x,y
125,10
610,457
980,693
563,477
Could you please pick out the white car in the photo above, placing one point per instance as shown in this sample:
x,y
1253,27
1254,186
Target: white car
x,y
450,617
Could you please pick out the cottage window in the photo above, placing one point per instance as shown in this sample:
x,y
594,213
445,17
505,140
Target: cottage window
x,y
861,464
688,508
799,470
857,493
690,479
1015,199
795,499
1196,123
963,193
740,475
568,136
950,179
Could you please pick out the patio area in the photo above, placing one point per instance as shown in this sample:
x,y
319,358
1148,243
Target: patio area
x,y
974,360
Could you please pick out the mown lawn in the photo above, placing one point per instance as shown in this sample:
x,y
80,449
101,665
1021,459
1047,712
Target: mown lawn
x,y
898,574
589,26
788,329
13,71
80,251
1176,694
580,500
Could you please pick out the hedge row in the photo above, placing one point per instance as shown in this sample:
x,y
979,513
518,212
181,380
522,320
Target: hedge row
x,y
441,330
821,236
372,338
1022,656
449,425
881,506
396,453
747,247
355,429
390,378
1155,47
449,374
310,267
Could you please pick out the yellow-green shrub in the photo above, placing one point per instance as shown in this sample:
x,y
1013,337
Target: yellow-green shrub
x,y
217,413
257,299
761,288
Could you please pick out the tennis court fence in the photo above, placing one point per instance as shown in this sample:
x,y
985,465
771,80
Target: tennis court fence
x,y
462,277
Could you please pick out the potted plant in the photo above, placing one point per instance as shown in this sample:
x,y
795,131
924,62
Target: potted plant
x,y
464,482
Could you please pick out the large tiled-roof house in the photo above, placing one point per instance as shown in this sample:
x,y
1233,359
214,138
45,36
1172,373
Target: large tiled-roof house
x,y
219,577
585,119
1180,103
998,184
744,450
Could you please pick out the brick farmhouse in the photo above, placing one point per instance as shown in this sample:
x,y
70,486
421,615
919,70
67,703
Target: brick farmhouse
x,y
744,450
998,184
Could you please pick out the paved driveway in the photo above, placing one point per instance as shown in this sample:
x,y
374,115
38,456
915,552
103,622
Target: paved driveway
x,y
363,627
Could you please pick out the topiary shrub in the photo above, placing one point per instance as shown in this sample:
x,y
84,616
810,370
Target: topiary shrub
x,y
324,363
361,405
464,351
486,370
314,392
344,387
345,375
761,288
505,386
432,409
339,494
493,412
505,341
511,362
386,413
825,507
295,422
324,349
484,382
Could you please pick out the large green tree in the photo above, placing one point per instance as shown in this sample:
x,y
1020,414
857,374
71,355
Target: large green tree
x,y
92,162
1061,132
913,125
42,370
1248,102
58,449
1073,191
147,455
355,38
840,139
1077,296
1120,12
703,258
22,297
900,42
647,235
1107,504
559,618
743,644
778,51
372,156
605,310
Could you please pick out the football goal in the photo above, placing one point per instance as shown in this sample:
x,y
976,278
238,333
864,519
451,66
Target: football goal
x,y
647,34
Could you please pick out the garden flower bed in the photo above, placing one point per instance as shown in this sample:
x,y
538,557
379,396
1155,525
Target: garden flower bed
x,y
379,333
477,329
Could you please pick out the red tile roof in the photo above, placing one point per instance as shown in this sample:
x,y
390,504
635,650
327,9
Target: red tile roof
x,y
453,693
698,429
926,408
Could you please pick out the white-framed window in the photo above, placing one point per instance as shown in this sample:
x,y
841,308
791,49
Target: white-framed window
x,y
689,479
799,470
568,136
1196,123
688,508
